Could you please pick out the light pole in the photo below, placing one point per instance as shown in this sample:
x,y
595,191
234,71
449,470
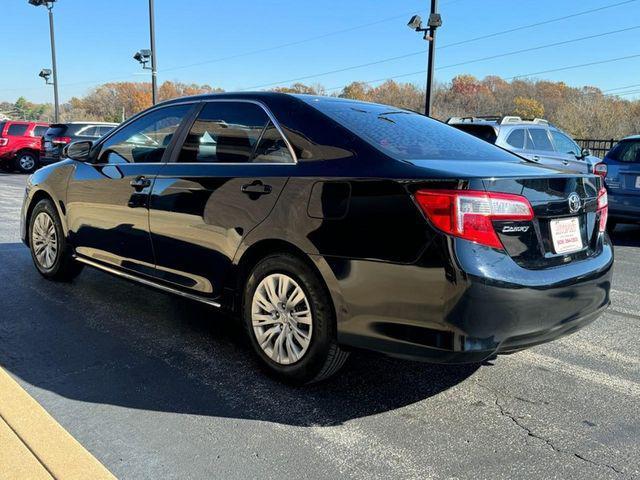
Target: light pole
x,y
49,5
152,34
435,21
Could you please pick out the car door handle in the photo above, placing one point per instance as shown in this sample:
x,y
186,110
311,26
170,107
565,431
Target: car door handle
x,y
256,188
140,183
565,162
535,158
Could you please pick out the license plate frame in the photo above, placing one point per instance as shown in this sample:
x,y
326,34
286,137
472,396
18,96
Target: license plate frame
x,y
566,235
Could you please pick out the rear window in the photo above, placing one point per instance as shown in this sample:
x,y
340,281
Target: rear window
x,y
406,135
626,151
17,129
56,131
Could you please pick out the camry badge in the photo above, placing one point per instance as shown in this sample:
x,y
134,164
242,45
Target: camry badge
x,y
574,202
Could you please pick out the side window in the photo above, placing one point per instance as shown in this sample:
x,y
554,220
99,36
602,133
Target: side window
x,y
233,132
39,130
516,138
145,139
564,144
103,130
540,140
17,129
89,131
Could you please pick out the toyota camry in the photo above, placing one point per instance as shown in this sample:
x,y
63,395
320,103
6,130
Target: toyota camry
x,y
326,225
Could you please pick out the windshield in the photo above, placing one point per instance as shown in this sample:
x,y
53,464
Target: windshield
x,y
407,135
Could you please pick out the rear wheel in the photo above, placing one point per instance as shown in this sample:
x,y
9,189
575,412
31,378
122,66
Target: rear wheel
x,y
289,320
50,252
26,161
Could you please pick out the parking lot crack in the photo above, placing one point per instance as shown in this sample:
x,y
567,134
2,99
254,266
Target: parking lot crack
x,y
516,421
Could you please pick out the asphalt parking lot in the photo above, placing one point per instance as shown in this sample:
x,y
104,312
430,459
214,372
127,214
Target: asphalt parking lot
x,y
159,387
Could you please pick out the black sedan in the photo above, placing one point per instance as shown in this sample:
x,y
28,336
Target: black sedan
x,y
327,224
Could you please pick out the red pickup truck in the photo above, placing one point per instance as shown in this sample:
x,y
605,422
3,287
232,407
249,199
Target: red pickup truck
x,y
20,144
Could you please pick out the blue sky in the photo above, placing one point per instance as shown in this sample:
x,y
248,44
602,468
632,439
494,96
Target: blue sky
x,y
96,41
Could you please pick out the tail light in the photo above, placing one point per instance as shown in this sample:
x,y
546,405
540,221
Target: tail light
x,y
469,214
4,142
61,140
603,209
600,169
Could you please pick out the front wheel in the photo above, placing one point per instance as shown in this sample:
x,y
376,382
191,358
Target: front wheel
x,y
50,252
26,162
289,320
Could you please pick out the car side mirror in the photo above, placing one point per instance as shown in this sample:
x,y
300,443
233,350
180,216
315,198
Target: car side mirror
x,y
79,151
585,153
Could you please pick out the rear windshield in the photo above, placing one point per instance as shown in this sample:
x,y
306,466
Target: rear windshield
x,y
56,131
626,151
406,135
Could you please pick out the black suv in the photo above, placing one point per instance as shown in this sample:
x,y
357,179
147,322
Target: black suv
x,y
60,134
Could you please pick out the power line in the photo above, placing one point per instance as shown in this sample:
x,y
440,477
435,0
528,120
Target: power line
x,y
421,52
422,72
621,88
538,24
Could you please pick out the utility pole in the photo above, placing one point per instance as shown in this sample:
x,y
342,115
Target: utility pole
x,y
54,68
435,21
154,73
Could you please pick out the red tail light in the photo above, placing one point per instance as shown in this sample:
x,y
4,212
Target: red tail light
x,y
4,142
603,209
61,140
600,169
469,214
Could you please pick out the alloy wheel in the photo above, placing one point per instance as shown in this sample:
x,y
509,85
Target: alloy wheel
x,y
26,162
44,240
281,319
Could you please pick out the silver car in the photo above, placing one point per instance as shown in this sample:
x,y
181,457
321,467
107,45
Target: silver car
x,y
536,139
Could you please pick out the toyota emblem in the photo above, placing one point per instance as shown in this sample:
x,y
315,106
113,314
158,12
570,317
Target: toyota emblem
x,y
574,202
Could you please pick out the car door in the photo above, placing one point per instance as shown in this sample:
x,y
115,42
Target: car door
x,y
221,183
568,152
539,148
107,199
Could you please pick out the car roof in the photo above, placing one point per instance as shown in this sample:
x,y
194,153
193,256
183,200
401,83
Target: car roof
x,y
631,137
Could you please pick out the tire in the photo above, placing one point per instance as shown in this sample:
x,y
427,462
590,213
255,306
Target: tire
x,y
322,357
55,263
26,161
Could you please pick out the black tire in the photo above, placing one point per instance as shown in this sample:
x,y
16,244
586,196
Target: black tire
x,y
26,161
64,267
323,357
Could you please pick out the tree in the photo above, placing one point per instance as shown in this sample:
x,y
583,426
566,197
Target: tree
x,y
528,107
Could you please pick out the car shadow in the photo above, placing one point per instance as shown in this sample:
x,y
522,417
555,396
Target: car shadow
x,y
106,341
626,236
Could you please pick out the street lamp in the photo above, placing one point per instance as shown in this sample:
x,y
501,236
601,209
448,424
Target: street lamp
x,y
53,72
45,73
435,21
149,55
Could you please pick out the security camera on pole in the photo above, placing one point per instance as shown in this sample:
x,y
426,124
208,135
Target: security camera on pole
x,y
435,21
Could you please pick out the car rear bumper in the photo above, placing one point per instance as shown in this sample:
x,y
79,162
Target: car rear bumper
x,y
471,311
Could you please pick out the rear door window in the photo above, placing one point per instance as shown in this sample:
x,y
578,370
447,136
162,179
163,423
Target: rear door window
x,y
17,129
540,140
516,138
234,132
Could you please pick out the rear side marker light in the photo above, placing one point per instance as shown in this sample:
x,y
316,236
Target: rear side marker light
x,y
600,169
469,214
603,209
4,142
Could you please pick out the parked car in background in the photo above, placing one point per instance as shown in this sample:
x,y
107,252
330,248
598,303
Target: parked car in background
x,y
60,134
536,139
328,224
621,171
20,144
